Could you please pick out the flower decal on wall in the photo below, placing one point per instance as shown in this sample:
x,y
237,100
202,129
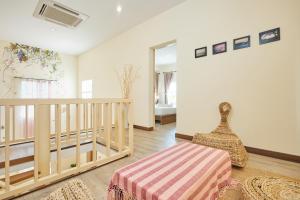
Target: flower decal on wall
x,y
19,53
18,57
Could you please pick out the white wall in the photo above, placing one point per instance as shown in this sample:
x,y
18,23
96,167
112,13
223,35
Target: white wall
x,y
260,82
67,83
69,65
67,75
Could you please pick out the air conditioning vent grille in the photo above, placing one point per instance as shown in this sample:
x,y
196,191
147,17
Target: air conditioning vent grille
x,y
58,13
66,9
43,9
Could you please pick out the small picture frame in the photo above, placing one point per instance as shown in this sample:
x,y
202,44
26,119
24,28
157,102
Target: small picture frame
x,y
241,43
201,52
269,36
219,48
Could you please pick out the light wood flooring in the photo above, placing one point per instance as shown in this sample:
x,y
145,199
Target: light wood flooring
x,y
146,143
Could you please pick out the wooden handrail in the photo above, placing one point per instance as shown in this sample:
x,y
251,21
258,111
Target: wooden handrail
x,y
87,121
21,102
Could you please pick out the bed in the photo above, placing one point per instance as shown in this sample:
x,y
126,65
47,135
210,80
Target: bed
x,y
184,171
165,114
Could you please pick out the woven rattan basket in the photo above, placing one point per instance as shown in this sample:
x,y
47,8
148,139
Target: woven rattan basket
x,y
223,138
73,190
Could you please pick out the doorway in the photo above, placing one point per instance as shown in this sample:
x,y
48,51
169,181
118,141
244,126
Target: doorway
x,y
165,87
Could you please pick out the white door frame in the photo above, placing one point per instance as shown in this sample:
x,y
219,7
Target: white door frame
x,y
152,77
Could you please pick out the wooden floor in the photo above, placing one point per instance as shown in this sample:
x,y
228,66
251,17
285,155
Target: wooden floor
x,y
146,143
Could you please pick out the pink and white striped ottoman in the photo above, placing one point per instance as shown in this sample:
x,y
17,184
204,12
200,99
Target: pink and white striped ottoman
x,y
184,171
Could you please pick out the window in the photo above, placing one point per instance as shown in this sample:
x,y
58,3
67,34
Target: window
x,y
24,116
37,89
87,89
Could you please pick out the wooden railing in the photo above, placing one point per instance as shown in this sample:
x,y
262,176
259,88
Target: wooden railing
x,y
95,132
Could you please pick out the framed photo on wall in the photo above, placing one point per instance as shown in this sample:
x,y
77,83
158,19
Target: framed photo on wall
x,y
219,48
269,36
240,43
201,52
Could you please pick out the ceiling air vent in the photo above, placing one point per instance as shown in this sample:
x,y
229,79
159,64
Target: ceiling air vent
x,y
60,14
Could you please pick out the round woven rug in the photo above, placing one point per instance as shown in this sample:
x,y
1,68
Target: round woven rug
x,y
271,188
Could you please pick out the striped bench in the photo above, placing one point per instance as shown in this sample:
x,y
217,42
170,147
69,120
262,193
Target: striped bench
x,y
184,171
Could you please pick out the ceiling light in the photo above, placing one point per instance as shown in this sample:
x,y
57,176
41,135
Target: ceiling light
x,y
119,8
53,29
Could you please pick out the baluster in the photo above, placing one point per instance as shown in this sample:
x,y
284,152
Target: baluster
x,y
130,128
100,125
91,116
7,147
26,122
84,117
14,123
68,122
58,136
116,123
121,130
107,127
109,121
78,122
36,142
95,106
87,119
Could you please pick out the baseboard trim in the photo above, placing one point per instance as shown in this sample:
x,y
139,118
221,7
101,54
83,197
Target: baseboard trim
x,y
183,136
274,154
143,128
263,152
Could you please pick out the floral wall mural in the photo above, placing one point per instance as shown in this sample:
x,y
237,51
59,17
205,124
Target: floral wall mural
x,y
23,53
18,60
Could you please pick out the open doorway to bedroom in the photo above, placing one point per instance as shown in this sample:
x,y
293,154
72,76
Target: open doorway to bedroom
x,y
165,84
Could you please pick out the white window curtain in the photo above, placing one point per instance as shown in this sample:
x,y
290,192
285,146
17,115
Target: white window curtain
x,y
170,88
171,92
31,89
156,87
37,89
167,88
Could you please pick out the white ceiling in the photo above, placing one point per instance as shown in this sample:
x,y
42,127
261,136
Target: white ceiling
x,y
166,55
17,23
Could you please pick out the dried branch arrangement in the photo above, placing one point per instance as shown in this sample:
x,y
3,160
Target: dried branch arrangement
x,y
127,76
